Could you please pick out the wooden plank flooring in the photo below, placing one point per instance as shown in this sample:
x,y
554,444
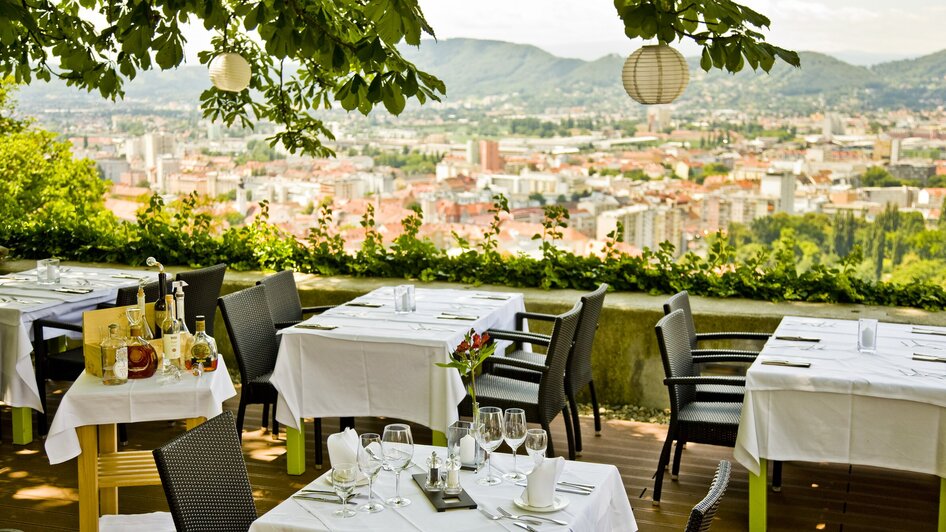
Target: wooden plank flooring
x,y
839,498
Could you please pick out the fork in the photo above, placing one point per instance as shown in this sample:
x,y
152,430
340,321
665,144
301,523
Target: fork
x,y
513,516
492,517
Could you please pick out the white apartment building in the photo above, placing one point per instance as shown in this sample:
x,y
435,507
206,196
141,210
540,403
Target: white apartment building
x,y
645,225
524,184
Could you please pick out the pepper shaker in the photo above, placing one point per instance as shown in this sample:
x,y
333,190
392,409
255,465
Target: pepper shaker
x,y
434,465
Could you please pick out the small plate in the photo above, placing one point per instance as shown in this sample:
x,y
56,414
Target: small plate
x,y
558,503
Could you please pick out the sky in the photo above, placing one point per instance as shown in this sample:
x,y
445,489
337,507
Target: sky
x,y
860,31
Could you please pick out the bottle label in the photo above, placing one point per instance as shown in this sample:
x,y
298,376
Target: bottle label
x,y
172,346
120,369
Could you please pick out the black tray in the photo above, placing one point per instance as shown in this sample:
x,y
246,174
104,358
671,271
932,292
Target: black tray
x,y
436,497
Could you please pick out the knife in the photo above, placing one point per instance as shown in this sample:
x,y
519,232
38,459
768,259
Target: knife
x,y
928,358
366,305
317,498
316,326
501,298
797,339
928,331
786,363
445,316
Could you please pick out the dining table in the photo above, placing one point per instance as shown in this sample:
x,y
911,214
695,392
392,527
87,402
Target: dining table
x,y
603,508
363,358
23,300
812,396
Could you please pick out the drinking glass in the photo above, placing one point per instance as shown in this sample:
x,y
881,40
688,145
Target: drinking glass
x,y
398,447
536,442
344,477
489,434
370,459
866,335
47,271
514,432
402,299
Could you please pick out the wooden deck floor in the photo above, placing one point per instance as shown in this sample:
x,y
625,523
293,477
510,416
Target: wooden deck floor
x,y
37,496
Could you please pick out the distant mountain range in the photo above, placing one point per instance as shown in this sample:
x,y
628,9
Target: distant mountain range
x,y
538,79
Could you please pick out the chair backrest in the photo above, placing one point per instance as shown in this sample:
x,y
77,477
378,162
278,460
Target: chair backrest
x,y
552,386
677,358
203,289
252,333
701,517
578,374
205,479
284,302
681,301
128,295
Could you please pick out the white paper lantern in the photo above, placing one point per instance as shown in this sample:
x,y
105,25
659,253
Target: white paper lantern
x,y
655,74
230,72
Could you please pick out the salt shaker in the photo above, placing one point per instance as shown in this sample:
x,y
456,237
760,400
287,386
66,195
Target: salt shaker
x,y
453,476
434,465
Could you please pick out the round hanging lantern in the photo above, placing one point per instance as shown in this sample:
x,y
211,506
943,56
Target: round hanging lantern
x,y
230,72
655,74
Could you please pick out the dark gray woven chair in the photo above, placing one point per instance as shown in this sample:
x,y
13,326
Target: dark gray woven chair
x,y
713,392
543,400
714,423
205,479
701,517
284,300
203,289
578,371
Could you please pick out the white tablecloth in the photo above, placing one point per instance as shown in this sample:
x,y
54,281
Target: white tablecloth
x,y
89,402
882,409
606,509
23,301
378,363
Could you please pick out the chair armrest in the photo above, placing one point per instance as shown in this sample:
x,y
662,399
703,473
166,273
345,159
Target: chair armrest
x,y
518,337
105,305
512,362
286,324
317,310
703,337
726,357
732,381
522,316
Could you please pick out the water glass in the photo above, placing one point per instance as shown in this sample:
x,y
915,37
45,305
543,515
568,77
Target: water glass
x,y
536,443
47,271
370,460
402,299
344,477
514,432
867,335
489,434
411,298
397,444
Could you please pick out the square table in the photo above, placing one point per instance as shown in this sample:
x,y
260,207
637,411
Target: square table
x,y
606,509
376,363
85,426
882,409
22,301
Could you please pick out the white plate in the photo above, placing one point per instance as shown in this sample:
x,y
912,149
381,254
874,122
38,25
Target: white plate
x,y
557,504
327,479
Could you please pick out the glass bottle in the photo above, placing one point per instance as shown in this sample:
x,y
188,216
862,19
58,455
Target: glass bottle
x,y
160,306
187,339
142,358
171,340
204,348
146,330
114,358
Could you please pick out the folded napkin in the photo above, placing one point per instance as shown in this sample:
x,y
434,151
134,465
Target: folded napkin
x,y
343,447
541,482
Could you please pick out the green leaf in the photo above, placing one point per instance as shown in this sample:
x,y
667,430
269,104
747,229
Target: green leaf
x,y
393,99
706,61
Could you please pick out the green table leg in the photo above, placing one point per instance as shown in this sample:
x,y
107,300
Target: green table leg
x,y
439,439
942,505
22,425
295,449
757,496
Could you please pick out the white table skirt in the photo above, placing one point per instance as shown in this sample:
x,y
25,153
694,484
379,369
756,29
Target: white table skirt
x,y
378,363
35,301
89,402
881,409
606,509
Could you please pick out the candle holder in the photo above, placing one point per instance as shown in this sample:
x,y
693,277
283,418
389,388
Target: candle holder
x,y
461,443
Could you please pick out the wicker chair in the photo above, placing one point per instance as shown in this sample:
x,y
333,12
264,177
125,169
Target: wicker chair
x,y
205,479
284,300
701,517
714,423
578,372
203,289
543,400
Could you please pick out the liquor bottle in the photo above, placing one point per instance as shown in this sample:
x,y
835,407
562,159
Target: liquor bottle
x,y
114,358
187,339
146,330
142,358
171,338
204,349
160,306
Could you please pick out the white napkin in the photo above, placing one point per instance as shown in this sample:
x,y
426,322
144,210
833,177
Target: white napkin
x,y
343,447
541,482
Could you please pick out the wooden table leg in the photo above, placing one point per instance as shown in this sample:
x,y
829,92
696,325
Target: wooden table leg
x,y
757,497
22,425
108,443
88,479
942,505
192,422
295,449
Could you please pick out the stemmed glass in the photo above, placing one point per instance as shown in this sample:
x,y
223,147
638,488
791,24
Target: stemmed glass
x,y
370,459
134,316
398,447
536,442
514,432
344,477
489,434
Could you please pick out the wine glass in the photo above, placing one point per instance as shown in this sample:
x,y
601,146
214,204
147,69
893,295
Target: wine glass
x,y
134,316
370,459
344,477
514,432
398,448
536,442
489,434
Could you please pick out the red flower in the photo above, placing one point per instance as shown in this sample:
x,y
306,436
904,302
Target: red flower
x,y
477,341
464,346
